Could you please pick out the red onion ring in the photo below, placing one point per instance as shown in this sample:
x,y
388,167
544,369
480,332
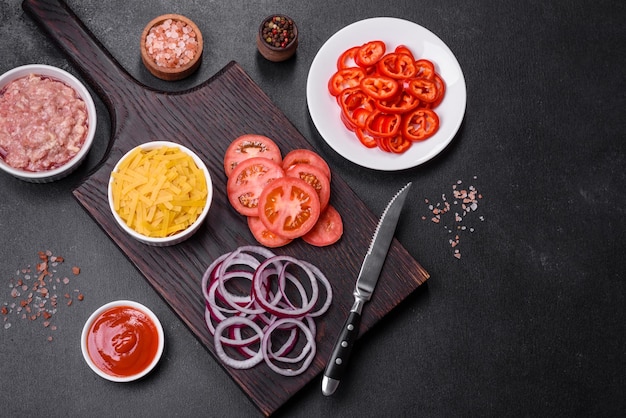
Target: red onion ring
x,y
219,338
267,307
260,277
309,347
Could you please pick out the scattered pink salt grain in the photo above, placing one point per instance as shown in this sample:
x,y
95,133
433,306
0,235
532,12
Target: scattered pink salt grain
x,y
456,216
32,296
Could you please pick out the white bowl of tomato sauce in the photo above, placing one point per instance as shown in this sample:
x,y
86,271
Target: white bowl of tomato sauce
x,y
47,123
122,341
160,193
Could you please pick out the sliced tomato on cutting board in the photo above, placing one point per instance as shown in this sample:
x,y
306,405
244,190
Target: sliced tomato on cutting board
x,y
328,229
305,156
289,207
263,235
316,177
250,146
248,180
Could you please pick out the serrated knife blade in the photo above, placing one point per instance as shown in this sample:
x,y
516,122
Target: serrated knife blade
x,y
365,285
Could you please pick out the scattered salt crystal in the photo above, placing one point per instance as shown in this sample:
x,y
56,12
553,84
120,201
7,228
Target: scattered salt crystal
x,y
30,301
468,199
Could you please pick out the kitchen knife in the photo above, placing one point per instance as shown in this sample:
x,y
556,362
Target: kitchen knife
x,y
365,284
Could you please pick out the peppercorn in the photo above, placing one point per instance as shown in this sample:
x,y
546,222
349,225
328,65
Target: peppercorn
x,y
278,31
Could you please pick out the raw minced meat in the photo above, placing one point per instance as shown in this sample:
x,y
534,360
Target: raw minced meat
x,y
43,123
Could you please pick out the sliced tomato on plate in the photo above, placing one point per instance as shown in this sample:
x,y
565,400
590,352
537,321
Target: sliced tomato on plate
x,y
250,146
263,235
315,177
328,229
305,156
248,180
289,207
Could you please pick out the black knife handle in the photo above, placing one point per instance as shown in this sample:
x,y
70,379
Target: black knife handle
x,y
343,349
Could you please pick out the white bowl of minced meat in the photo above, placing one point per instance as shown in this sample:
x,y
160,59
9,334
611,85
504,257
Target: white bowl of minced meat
x,y
47,123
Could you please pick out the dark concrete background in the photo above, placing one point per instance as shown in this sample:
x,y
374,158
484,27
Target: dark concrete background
x,y
529,322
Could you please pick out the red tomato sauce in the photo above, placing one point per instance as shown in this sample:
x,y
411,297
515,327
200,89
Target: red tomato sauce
x,y
122,341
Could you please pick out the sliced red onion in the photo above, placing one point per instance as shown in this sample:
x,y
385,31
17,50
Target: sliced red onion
x,y
283,352
253,317
261,277
329,290
309,347
208,274
218,339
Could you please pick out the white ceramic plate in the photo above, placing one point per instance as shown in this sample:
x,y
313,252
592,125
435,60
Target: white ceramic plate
x,y
325,112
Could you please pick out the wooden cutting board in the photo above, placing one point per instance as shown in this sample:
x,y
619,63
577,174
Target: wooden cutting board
x,y
206,119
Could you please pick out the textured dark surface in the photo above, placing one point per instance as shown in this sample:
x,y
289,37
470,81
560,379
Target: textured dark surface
x,y
206,119
530,321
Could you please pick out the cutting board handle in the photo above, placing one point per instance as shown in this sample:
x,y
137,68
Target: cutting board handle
x,y
95,64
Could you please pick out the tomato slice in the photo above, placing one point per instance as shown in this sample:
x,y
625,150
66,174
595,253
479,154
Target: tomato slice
x,y
263,236
328,229
305,156
289,207
424,89
315,177
347,59
369,53
247,181
380,87
420,124
249,146
344,79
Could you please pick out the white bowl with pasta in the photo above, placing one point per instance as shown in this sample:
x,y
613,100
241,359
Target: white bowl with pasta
x,y
164,206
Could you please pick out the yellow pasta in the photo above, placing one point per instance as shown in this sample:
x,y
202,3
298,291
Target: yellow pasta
x,y
159,192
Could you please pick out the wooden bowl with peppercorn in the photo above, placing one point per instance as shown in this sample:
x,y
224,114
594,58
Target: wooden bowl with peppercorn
x,y
277,39
171,47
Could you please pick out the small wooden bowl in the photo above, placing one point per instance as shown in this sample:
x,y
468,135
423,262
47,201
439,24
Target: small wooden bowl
x,y
273,53
167,73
